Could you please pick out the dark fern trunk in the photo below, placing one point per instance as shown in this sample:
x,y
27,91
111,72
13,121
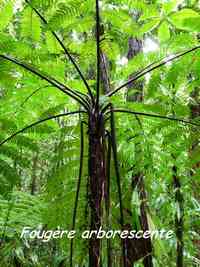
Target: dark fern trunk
x,y
97,176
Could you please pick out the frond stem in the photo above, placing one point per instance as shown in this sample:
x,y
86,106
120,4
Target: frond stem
x,y
143,72
39,122
155,116
50,80
65,50
116,166
77,191
98,51
107,200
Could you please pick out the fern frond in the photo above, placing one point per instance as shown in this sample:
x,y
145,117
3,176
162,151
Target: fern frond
x,y
7,125
26,142
9,173
52,111
64,12
30,25
6,13
6,43
12,153
43,3
27,210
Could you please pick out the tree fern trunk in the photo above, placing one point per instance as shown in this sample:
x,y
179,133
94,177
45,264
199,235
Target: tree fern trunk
x,y
97,175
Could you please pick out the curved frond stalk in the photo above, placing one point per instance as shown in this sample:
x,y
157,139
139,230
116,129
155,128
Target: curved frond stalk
x,y
65,50
116,165
85,97
40,88
98,52
155,116
39,122
77,191
49,79
139,122
35,92
105,108
149,69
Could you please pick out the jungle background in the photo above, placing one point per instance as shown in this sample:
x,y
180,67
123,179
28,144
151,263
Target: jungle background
x,y
158,158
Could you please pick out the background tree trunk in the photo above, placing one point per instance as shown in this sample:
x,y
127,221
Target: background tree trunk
x,y
143,247
104,65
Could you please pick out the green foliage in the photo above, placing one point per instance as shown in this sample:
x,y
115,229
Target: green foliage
x,y
39,167
30,25
6,13
64,11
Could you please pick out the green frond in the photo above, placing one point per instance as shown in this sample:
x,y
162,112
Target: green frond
x,y
19,204
8,174
12,153
7,125
24,141
52,44
6,43
6,13
30,25
52,111
65,12
6,78
43,3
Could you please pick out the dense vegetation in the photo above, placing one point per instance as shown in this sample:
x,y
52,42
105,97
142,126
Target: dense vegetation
x,y
99,120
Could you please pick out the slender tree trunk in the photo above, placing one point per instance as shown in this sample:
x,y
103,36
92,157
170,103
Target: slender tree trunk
x,y
134,48
105,80
97,176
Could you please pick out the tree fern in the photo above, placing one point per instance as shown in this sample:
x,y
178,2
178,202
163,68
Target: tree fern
x,y
78,188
